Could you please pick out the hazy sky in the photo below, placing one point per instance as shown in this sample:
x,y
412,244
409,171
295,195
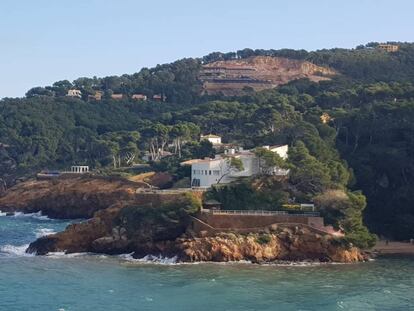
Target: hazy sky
x,y
43,41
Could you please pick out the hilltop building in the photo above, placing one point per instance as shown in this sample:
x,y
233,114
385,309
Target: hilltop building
x,y
159,97
117,96
281,150
325,118
98,96
207,172
74,93
139,97
214,139
389,47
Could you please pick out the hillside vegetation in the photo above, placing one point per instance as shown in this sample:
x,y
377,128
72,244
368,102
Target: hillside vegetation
x,y
364,142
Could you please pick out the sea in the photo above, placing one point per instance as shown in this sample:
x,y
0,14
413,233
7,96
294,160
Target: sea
x,y
84,282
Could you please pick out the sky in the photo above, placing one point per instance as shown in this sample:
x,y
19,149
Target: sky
x,y
43,41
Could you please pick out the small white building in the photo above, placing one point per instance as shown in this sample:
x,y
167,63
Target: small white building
x,y
79,169
207,172
74,93
281,150
214,139
139,97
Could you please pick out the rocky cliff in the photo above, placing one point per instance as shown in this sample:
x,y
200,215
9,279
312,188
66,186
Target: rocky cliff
x,y
290,243
68,197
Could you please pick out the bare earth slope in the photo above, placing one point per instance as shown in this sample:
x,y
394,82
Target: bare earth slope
x,y
259,73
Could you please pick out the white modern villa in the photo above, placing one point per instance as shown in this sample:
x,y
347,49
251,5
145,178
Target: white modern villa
x,y
207,172
74,93
214,139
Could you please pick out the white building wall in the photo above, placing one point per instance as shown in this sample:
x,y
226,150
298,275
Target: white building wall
x,y
213,140
250,166
209,172
282,151
206,173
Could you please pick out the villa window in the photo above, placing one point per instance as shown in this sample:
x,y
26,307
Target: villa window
x,y
209,172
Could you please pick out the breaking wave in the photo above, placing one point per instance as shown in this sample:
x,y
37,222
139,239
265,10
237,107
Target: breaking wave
x,y
150,259
37,215
64,255
44,232
15,251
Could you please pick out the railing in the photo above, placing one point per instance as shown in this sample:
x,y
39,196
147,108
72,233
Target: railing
x,y
168,191
259,213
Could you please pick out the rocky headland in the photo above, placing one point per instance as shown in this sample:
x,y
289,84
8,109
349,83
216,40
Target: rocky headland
x,y
121,220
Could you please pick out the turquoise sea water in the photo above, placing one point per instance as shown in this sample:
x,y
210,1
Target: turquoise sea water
x,y
92,282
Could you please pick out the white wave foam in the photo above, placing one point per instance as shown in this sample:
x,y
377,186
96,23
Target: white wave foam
x,y
151,259
64,255
13,250
37,215
3,213
44,232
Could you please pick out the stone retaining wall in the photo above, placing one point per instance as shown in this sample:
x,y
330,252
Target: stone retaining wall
x,y
256,221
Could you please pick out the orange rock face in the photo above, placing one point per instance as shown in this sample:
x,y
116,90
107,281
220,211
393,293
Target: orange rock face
x,y
285,245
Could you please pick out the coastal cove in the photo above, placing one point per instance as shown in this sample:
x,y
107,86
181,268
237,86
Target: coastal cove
x,y
178,156
94,282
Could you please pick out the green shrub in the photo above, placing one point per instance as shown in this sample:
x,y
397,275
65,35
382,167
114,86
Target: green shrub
x,y
263,239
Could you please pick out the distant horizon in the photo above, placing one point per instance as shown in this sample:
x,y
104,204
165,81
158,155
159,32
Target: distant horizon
x,y
44,42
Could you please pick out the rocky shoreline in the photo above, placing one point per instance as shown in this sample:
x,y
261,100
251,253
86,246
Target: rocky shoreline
x,y
123,221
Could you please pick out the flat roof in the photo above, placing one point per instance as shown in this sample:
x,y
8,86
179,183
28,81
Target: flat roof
x,y
194,161
277,146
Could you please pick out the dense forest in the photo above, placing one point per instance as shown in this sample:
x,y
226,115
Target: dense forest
x,y
350,134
